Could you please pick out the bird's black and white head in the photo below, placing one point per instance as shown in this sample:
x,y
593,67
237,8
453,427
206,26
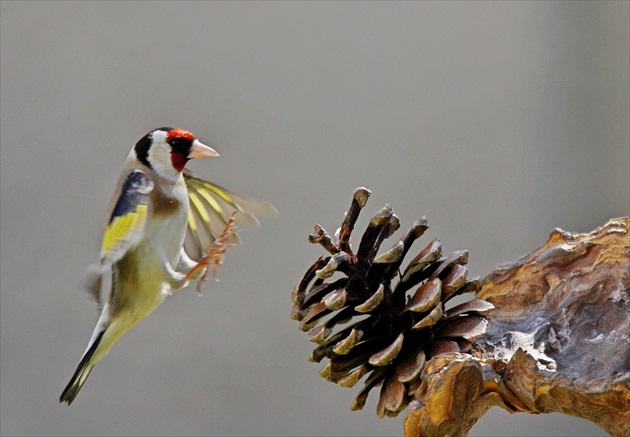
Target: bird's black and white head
x,y
167,150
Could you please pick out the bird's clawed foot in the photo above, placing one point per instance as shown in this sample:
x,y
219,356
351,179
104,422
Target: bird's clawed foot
x,y
214,256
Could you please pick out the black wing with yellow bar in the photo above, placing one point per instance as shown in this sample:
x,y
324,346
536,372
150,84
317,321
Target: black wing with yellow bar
x,y
126,224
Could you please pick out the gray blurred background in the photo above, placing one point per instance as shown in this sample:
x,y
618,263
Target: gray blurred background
x,y
498,121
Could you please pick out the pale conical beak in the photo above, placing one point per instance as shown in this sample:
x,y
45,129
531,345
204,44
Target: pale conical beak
x,y
199,150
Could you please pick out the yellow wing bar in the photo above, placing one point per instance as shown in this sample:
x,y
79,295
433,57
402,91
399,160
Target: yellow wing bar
x,y
121,229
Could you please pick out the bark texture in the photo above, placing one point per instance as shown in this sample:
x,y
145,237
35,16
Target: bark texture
x,y
557,340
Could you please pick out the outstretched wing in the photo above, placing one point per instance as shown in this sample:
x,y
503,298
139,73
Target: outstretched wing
x,y
128,219
210,208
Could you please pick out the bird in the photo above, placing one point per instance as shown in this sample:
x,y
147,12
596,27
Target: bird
x,y
160,220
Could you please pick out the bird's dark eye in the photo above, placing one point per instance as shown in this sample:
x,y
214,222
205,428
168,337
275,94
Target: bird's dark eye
x,y
181,145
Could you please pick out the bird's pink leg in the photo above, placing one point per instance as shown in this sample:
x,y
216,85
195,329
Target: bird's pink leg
x,y
214,256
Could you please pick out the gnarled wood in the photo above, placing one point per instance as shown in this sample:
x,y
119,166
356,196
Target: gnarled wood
x,y
557,340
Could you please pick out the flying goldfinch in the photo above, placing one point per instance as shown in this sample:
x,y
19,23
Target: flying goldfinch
x,y
160,218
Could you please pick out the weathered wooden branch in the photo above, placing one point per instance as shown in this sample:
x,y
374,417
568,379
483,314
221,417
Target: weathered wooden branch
x,y
557,341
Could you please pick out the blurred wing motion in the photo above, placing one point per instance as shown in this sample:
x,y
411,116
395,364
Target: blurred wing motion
x,y
210,210
126,223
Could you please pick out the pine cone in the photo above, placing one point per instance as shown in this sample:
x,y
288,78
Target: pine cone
x,y
399,320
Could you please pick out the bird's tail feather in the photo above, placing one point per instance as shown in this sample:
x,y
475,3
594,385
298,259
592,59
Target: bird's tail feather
x,y
83,370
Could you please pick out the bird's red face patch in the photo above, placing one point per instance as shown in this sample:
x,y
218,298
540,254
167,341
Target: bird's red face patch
x,y
179,161
180,141
179,133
